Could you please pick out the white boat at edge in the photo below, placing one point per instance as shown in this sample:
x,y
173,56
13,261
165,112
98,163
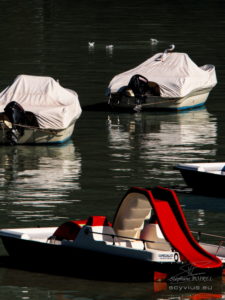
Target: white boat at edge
x,y
204,177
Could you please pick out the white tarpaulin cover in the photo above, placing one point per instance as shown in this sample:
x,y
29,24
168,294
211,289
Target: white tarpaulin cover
x,y
54,106
175,73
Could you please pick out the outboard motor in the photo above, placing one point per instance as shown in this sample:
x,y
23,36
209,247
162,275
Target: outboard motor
x,y
139,85
16,115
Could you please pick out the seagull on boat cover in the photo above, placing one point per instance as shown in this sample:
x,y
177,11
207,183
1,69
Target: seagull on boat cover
x,y
170,49
164,55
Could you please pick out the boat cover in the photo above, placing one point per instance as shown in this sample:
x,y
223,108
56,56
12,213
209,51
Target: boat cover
x,y
54,106
175,73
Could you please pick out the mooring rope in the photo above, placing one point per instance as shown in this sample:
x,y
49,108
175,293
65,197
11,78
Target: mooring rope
x,y
29,127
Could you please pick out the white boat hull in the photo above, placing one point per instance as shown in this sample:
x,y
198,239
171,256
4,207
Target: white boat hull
x,y
193,100
39,136
87,256
91,239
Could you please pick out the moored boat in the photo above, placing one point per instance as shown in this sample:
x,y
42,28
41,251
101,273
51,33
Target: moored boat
x,y
206,178
148,239
168,80
37,110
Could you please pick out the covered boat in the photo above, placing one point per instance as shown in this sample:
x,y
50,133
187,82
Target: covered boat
x,y
149,239
205,178
35,110
168,80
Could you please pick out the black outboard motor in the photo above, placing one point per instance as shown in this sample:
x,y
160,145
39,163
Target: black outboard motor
x,y
139,85
16,115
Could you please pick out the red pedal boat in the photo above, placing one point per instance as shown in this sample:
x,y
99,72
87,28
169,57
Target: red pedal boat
x,y
149,238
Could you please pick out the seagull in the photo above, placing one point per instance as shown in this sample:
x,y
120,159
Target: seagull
x,y
109,47
91,44
154,41
169,50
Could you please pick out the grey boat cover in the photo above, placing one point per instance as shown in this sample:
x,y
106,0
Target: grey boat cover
x,y
175,73
54,106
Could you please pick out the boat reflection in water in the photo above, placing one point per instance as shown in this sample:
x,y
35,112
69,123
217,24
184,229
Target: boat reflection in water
x,y
147,145
38,177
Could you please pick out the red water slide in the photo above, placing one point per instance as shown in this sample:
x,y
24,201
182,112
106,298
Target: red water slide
x,y
174,226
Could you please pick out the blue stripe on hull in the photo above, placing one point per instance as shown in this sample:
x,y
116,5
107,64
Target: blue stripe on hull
x,y
187,107
47,143
59,142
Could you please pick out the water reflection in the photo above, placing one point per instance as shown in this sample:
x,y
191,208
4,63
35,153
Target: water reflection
x,y
153,143
201,217
24,286
38,177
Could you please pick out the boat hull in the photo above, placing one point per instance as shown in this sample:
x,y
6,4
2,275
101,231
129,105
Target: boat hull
x,y
74,261
207,183
40,136
93,260
193,100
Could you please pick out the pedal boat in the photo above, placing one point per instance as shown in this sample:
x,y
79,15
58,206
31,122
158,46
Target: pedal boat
x,y
148,239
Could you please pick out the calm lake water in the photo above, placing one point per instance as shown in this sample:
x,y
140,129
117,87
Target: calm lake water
x,y
109,152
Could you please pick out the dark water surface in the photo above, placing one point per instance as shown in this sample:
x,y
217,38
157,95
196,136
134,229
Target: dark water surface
x,y
109,152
